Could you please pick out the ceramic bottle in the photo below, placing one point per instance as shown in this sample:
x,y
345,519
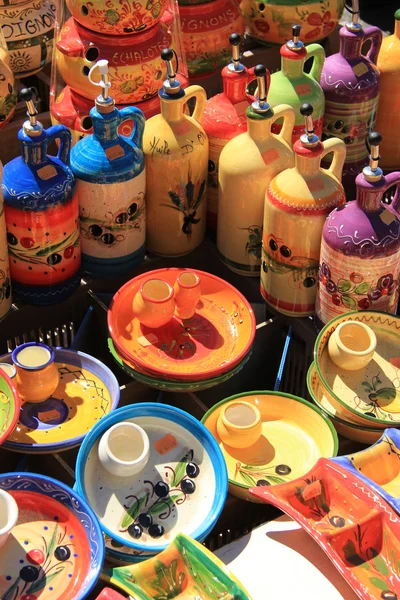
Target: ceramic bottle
x,y
5,279
296,205
247,164
42,215
176,152
293,86
111,186
350,82
388,117
360,251
8,95
225,118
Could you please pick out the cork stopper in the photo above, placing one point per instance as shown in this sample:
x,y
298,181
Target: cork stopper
x,y
354,25
261,105
235,64
171,85
31,127
373,172
309,139
295,44
104,103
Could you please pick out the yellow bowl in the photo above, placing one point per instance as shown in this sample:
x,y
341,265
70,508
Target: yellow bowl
x,y
295,434
349,430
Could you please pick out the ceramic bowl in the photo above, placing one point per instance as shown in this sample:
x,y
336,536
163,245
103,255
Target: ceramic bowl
x,y
173,385
184,569
182,488
378,466
295,434
355,527
56,550
8,516
346,428
371,394
213,342
10,404
87,391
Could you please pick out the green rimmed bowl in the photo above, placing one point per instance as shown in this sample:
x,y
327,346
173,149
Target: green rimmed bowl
x,y
10,404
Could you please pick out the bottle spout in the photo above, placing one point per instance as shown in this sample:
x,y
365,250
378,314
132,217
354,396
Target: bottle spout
x,y
309,139
104,103
373,172
261,105
171,85
295,43
235,64
30,96
354,25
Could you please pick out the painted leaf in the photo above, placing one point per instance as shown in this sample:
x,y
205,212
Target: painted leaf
x,y
180,469
350,554
362,288
365,566
349,302
273,478
55,247
379,583
343,285
162,505
200,195
133,511
398,568
380,565
41,583
10,593
247,479
176,200
52,544
189,189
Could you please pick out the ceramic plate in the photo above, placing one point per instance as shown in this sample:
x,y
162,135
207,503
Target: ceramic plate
x,y
378,466
295,435
176,439
56,550
352,431
355,527
372,393
173,386
10,403
214,341
184,570
87,391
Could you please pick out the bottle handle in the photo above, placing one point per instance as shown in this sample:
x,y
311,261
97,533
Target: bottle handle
x,y
132,113
375,35
394,207
316,52
196,91
289,117
338,147
59,132
250,76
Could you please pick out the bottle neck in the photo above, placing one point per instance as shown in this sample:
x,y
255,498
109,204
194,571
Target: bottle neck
x,y
307,167
351,44
291,68
259,128
33,151
369,199
397,28
105,127
172,110
235,84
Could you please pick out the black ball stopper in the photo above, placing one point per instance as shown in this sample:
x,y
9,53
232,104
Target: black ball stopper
x,y
296,30
306,109
167,54
374,138
26,94
260,71
234,39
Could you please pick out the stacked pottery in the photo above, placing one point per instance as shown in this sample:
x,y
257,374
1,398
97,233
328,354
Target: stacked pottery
x,y
206,26
130,35
28,28
8,96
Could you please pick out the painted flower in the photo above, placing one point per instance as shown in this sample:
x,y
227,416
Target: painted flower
x,y
385,287
322,25
261,25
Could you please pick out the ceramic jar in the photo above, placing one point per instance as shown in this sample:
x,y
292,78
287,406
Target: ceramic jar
x,y
247,165
388,117
239,424
360,251
28,28
205,34
154,304
42,214
135,66
37,373
111,187
176,151
350,82
8,95
124,449
296,205
225,118
272,21
118,17
352,345
5,280
187,292
293,86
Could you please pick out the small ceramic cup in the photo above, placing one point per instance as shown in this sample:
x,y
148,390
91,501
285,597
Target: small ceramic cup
x,y
239,424
352,345
124,449
187,294
37,374
8,515
8,369
154,303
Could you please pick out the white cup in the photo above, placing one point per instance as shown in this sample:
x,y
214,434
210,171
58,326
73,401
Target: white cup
x,y
8,515
124,449
352,345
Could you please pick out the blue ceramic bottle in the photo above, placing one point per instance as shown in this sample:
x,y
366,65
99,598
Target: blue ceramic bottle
x,y
111,183
42,215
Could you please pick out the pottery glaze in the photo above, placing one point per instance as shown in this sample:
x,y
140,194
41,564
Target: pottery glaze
x,y
5,276
239,425
124,449
248,163
154,305
296,205
10,403
176,153
360,252
8,515
187,292
42,215
352,345
37,375
292,85
8,93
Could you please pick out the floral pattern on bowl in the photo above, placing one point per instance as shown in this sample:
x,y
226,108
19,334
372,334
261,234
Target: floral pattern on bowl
x,y
9,406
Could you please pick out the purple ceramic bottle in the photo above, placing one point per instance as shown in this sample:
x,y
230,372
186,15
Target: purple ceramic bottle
x,y
350,82
360,251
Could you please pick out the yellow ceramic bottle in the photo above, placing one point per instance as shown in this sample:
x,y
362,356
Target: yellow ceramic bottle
x,y
296,205
176,153
388,118
247,164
